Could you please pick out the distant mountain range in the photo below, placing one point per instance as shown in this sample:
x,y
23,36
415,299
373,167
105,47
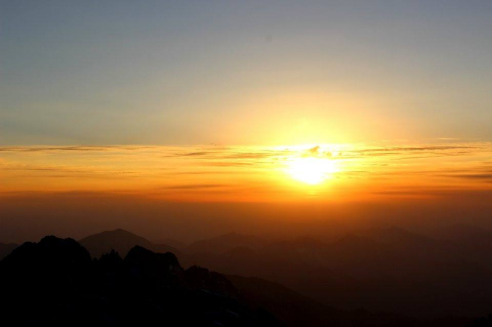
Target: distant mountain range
x,y
121,241
227,242
56,283
387,269
380,270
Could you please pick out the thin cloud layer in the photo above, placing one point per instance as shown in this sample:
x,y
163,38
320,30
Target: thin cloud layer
x,y
244,173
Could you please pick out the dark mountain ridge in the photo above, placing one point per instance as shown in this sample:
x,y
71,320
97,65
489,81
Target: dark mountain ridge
x,y
227,242
385,269
5,249
389,270
121,241
56,283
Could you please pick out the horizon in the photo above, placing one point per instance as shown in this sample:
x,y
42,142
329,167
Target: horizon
x,y
54,188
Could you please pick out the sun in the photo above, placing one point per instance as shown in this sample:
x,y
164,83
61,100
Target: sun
x,y
311,170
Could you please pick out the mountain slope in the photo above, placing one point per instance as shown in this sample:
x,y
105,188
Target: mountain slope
x,y
56,283
6,249
121,241
226,242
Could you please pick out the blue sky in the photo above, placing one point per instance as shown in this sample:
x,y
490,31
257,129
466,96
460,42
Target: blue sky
x,y
244,72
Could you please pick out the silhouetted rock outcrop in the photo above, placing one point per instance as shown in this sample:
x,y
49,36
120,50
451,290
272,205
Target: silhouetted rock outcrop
x,y
6,249
56,283
201,278
158,268
51,262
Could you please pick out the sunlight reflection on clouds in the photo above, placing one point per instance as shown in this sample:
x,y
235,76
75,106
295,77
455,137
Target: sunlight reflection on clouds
x,y
245,173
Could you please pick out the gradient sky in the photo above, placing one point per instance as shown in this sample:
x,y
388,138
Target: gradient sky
x,y
191,192
244,72
190,118
250,174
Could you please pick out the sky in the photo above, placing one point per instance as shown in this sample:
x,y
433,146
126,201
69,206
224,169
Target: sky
x,y
251,174
244,72
192,118
194,192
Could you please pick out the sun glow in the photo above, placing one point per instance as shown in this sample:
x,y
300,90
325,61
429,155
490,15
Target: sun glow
x,y
311,170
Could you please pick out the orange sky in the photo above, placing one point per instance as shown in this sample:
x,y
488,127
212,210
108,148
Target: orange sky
x,y
250,174
374,102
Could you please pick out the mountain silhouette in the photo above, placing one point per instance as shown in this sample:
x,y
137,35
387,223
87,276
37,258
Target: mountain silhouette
x,y
121,241
56,283
5,249
172,242
295,309
381,270
302,282
226,242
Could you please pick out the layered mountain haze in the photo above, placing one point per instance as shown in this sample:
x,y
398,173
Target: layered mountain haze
x,y
70,274
57,284
225,243
121,241
381,270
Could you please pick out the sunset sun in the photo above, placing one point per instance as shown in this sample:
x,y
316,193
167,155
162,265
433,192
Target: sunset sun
x,y
311,170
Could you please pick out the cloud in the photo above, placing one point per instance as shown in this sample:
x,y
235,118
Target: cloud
x,y
195,167
262,152
479,177
192,186
228,164
429,192
314,150
76,148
